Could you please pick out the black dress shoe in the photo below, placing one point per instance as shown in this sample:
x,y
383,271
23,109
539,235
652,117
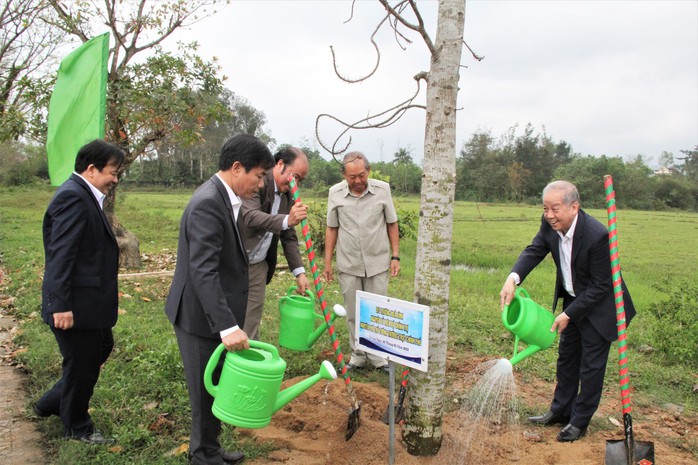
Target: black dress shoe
x,y
40,413
94,439
548,418
229,457
232,457
570,433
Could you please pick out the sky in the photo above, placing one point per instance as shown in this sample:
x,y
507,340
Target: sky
x,y
615,78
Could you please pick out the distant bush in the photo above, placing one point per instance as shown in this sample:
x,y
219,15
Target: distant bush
x,y
22,164
675,193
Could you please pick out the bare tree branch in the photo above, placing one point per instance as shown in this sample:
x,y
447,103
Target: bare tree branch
x,y
27,46
399,35
68,24
394,17
475,55
379,120
351,12
378,58
419,27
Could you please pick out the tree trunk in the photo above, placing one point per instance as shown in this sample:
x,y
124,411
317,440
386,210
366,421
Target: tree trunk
x,y
129,247
422,433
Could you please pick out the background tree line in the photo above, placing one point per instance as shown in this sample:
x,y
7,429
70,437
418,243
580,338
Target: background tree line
x,y
171,112
505,169
516,168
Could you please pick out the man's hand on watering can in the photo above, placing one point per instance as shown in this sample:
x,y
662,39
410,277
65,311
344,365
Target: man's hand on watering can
x,y
237,340
560,323
507,292
302,283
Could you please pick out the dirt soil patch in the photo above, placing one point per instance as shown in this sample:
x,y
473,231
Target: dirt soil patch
x,y
310,430
19,439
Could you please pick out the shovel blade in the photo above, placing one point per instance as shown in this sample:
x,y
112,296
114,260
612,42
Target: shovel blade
x,y
398,407
353,422
399,414
617,453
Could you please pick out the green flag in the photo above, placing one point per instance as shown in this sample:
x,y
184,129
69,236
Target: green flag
x,y
78,106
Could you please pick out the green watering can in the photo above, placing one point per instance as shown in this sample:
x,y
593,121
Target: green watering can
x,y
530,323
248,392
297,326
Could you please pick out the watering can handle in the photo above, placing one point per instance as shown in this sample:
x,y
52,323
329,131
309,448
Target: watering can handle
x,y
265,346
216,355
208,372
307,291
521,290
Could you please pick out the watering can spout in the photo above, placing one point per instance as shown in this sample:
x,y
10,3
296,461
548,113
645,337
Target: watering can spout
x,y
339,311
327,372
527,352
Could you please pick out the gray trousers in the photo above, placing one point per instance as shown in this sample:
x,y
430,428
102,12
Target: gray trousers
x,y
349,284
256,294
205,427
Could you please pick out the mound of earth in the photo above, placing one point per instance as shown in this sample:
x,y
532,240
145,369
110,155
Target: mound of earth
x,y
310,430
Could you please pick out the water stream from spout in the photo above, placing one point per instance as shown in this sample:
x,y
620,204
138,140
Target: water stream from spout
x,y
488,428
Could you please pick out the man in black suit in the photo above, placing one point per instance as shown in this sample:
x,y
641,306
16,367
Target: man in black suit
x,y
587,324
208,296
79,291
268,216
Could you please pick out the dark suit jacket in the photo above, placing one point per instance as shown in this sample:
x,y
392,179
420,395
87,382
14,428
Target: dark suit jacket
x,y
257,220
82,259
209,287
591,273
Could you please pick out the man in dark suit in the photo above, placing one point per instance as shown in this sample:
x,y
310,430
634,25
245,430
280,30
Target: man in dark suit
x,y
587,324
79,291
268,216
208,296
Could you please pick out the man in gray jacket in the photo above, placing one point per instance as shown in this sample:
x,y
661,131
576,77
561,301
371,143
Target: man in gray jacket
x,y
267,218
208,296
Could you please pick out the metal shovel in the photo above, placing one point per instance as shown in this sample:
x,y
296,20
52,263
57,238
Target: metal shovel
x,y
625,451
628,451
399,407
354,419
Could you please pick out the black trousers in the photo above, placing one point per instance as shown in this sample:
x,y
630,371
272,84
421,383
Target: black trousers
x,y
581,367
84,351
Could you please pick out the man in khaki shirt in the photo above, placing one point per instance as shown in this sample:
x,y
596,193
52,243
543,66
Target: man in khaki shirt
x,y
362,225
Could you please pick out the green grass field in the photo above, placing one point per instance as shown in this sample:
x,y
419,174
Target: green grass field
x,y
141,396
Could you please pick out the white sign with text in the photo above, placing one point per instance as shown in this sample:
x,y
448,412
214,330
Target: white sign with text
x,y
393,329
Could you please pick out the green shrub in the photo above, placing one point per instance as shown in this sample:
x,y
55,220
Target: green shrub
x,y
676,330
407,222
22,164
317,222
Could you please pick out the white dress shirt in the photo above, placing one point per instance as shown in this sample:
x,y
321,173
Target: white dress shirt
x,y
96,192
566,257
